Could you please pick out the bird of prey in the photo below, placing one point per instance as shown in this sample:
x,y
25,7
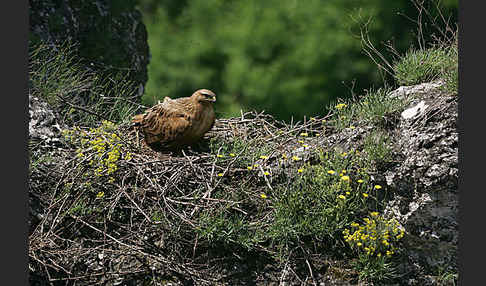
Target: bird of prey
x,y
175,123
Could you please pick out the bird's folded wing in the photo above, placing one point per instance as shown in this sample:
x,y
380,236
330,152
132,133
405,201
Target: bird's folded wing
x,y
162,124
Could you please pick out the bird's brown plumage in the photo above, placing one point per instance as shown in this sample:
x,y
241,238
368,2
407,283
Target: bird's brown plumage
x,y
175,123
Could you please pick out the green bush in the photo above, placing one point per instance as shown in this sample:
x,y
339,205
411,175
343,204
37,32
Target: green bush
x,y
285,57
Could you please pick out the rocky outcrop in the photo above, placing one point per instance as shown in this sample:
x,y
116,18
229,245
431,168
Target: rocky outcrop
x,y
426,196
43,122
109,35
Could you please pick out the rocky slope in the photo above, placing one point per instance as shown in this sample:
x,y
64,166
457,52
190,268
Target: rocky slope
x,y
423,182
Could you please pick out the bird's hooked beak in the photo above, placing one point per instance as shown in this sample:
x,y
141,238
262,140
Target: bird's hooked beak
x,y
209,96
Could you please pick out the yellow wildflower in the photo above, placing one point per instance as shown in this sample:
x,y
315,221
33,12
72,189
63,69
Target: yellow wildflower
x,y
340,106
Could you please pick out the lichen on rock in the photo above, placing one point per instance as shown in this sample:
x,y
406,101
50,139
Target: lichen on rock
x,y
426,182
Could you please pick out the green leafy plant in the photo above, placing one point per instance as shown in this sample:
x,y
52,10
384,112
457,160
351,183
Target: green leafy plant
x,y
377,147
322,200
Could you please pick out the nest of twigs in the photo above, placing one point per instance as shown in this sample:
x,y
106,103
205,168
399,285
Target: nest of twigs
x,y
142,222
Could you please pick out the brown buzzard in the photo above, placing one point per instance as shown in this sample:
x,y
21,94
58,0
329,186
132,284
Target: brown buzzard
x,y
176,123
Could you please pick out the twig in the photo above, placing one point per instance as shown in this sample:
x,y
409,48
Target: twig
x,y
104,233
135,204
82,108
310,271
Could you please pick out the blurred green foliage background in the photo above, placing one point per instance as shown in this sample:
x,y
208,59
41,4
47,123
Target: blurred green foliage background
x,y
290,58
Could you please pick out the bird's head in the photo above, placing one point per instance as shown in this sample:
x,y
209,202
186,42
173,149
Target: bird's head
x,y
204,95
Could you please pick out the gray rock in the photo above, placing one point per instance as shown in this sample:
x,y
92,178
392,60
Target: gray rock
x,y
43,123
423,88
414,111
426,201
